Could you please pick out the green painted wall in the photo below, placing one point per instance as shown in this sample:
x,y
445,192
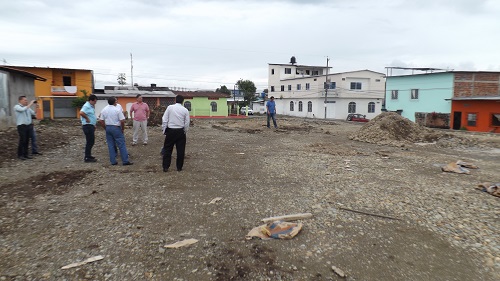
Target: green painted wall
x,y
201,106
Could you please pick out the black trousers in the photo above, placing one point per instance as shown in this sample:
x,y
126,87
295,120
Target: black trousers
x,y
173,137
89,131
24,139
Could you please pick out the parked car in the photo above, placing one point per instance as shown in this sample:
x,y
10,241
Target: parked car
x,y
356,117
243,111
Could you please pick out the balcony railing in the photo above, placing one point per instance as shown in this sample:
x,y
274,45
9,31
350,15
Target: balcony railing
x,y
64,90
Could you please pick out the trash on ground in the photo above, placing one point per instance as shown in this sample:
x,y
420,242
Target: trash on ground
x,y
275,230
215,200
89,260
459,167
288,217
491,188
182,243
338,271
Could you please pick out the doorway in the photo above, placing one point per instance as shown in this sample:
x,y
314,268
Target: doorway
x,y
457,120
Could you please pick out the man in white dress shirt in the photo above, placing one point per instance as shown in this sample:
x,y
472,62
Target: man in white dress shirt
x,y
175,125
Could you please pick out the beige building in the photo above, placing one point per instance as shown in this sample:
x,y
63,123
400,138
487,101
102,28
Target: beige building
x,y
300,90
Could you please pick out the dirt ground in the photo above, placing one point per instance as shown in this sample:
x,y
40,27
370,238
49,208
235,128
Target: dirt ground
x,y
416,222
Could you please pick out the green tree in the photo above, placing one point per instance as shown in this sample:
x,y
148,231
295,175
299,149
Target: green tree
x,y
248,89
223,89
80,101
122,79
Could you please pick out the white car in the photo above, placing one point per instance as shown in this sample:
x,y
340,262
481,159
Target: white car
x,y
243,111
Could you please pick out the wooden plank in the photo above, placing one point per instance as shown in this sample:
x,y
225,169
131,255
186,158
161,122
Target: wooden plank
x,y
288,217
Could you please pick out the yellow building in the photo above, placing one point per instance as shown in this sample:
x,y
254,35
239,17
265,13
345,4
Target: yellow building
x,y
63,85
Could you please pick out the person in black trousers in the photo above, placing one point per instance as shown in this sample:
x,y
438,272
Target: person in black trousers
x,y
175,125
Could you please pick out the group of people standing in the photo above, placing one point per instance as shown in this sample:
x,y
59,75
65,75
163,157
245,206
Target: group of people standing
x,y
175,124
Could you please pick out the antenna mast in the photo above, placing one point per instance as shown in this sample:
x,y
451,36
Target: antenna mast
x,y
131,70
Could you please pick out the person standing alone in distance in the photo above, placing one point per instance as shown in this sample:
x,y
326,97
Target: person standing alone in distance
x,y
140,112
271,112
175,125
89,121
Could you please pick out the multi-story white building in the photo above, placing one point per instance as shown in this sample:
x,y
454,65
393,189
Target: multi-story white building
x,y
299,90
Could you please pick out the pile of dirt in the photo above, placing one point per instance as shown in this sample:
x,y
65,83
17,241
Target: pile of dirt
x,y
390,128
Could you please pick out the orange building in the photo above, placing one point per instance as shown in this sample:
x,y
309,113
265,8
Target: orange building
x,y
475,105
62,86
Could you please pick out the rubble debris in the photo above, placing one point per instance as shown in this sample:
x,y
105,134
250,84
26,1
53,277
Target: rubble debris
x,y
338,271
182,243
275,230
89,260
490,188
215,200
390,128
459,167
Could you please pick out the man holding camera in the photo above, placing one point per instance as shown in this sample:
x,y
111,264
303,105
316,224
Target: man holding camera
x,y
24,125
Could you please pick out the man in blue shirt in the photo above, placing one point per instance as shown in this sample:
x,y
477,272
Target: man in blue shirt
x,y
24,125
271,112
89,120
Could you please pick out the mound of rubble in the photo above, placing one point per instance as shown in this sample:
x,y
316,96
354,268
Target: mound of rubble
x,y
390,128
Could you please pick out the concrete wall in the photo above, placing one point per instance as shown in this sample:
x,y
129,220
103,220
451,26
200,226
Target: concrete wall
x,y
434,92
17,85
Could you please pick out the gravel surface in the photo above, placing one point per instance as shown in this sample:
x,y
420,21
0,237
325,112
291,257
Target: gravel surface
x,y
380,211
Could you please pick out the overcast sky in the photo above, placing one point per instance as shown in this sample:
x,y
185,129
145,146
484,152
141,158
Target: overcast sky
x,y
204,44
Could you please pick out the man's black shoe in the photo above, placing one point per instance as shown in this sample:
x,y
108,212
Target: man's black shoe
x,y
178,170
127,163
28,157
165,170
22,158
90,160
114,164
36,153
91,157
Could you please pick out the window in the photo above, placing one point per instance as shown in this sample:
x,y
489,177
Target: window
x,y
371,107
187,105
352,107
299,86
272,71
67,80
308,72
471,119
289,87
282,88
355,85
288,71
272,88
330,85
394,94
213,105
291,106
300,106
309,106
308,86
315,72
377,80
495,119
414,94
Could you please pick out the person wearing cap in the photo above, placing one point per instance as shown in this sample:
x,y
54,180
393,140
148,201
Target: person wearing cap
x,y
271,112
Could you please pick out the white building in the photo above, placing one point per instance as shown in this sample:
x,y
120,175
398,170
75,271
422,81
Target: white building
x,y
299,90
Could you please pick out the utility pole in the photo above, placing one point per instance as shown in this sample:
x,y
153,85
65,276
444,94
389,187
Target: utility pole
x,y
326,85
131,70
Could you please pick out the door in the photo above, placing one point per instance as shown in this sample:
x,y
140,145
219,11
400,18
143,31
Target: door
x,y
457,120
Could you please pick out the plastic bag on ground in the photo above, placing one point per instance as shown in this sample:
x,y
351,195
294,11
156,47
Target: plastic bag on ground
x,y
275,230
